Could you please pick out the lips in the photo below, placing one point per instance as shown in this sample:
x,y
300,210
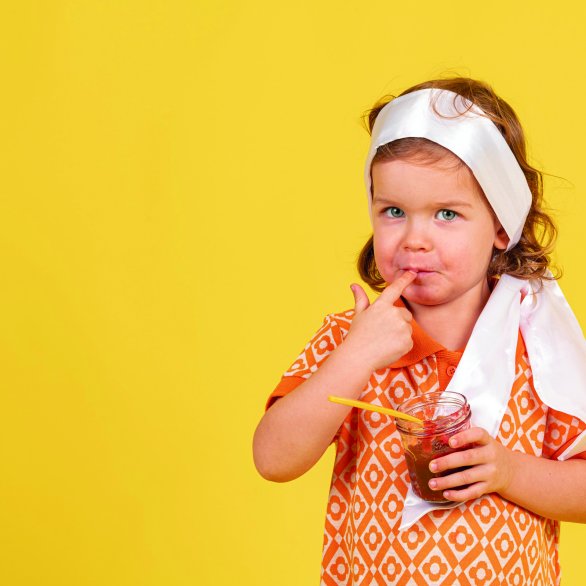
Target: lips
x,y
419,269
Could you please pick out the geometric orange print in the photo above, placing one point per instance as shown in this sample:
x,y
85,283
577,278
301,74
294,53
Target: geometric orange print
x,y
483,541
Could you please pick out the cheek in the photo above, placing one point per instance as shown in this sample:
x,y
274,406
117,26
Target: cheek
x,y
467,256
384,245
385,249
385,237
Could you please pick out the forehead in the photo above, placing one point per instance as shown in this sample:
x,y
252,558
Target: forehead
x,y
409,178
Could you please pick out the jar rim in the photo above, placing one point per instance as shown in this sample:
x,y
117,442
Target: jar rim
x,y
442,424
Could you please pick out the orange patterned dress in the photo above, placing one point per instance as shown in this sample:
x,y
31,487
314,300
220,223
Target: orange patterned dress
x,y
484,541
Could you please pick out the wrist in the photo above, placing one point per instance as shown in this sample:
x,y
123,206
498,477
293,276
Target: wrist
x,y
355,358
514,463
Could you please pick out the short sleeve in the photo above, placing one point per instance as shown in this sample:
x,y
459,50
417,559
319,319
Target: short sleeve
x,y
565,436
330,335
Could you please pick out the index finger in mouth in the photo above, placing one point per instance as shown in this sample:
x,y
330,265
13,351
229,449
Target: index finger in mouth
x,y
394,290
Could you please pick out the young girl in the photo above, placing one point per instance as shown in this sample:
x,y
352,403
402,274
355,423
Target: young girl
x,y
459,252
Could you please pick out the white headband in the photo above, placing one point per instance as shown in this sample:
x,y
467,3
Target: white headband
x,y
470,135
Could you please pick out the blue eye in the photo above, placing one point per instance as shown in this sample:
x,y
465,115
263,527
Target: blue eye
x,y
447,215
394,212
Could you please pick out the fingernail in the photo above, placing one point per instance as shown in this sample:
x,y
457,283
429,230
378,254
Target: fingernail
x,y
453,442
433,466
432,484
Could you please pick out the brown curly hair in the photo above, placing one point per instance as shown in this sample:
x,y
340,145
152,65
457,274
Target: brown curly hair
x,y
530,257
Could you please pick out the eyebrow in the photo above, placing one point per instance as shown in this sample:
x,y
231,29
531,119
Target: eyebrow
x,y
454,203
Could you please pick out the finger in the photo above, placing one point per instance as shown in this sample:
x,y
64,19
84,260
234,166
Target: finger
x,y
470,457
473,435
461,478
361,301
393,291
473,491
405,313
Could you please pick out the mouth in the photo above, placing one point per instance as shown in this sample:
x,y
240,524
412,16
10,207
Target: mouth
x,y
419,271
423,275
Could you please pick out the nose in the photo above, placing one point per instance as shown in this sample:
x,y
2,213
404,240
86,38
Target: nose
x,y
417,237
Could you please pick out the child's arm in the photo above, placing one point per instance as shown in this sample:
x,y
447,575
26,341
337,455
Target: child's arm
x,y
297,429
550,488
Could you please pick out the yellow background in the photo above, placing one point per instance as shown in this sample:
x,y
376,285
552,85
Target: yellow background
x,y
182,203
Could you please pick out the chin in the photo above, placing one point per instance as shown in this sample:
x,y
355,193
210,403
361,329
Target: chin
x,y
421,296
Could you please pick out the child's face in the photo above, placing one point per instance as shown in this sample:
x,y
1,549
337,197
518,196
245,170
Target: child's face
x,y
433,220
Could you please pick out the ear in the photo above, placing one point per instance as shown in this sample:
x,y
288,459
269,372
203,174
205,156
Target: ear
x,y
501,239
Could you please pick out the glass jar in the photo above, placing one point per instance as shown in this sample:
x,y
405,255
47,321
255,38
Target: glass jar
x,y
444,413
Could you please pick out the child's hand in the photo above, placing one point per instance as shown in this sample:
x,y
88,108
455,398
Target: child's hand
x,y
491,466
381,333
